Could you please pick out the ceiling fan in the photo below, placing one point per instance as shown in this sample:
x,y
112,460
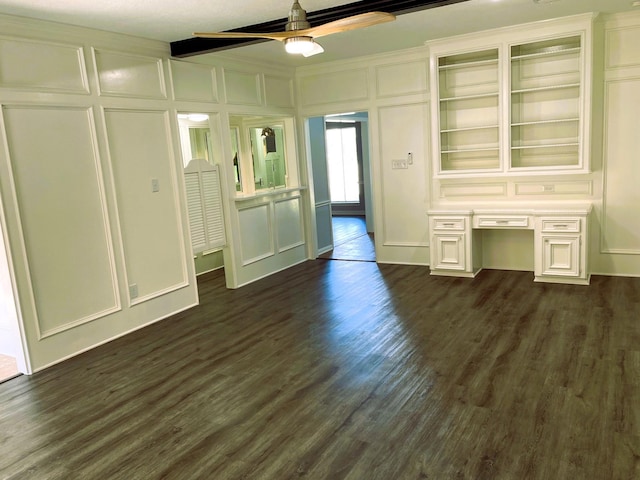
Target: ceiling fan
x,y
299,36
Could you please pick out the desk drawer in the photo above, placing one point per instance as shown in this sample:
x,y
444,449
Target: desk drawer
x,y
553,225
501,221
455,223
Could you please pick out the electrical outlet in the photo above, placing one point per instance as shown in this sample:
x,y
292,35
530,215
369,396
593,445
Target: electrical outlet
x,y
133,290
398,164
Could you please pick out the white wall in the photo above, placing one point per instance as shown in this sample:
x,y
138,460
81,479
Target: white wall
x,y
394,89
85,133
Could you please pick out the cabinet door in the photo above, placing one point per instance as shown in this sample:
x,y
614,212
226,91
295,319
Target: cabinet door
x,y
448,252
561,255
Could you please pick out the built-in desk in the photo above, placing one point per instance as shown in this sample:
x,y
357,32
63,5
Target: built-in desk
x,y
560,240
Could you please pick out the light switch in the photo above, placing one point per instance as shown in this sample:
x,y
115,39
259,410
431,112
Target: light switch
x,y
155,185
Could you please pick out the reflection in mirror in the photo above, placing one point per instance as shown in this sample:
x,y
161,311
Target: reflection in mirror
x,y
268,153
195,137
200,140
235,151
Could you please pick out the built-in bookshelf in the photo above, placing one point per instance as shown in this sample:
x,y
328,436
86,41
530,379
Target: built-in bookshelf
x,y
469,111
512,102
545,103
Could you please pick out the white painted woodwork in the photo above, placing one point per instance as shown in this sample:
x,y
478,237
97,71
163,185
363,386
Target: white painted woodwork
x,y
513,101
204,206
63,215
466,190
193,82
316,150
331,87
620,224
242,88
123,74
405,78
404,192
278,91
288,220
57,79
141,152
621,46
42,59
256,233
578,187
560,240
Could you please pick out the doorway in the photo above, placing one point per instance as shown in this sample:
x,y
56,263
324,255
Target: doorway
x,y
339,151
12,354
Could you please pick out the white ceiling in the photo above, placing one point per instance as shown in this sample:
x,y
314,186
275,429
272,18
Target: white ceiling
x,y
170,20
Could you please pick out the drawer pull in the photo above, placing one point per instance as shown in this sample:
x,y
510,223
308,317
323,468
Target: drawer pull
x,y
561,225
448,224
502,222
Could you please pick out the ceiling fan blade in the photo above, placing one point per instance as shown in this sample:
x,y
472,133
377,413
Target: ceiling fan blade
x,y
316,50
280,36
349,23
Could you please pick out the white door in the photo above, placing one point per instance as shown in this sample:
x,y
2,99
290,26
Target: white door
x,y
322,202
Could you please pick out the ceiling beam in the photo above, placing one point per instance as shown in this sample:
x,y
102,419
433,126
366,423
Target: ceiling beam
x,y
197,46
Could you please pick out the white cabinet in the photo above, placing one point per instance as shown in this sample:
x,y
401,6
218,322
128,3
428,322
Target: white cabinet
x,y
561,247
513,101
451,252
560,240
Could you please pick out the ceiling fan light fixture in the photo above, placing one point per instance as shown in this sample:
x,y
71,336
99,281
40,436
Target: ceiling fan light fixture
x,y
299,45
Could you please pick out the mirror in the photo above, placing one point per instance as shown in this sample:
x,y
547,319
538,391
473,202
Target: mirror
x,y
195,137
268,155
235,152
200,140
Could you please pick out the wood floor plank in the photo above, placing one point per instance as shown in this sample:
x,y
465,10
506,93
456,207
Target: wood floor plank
x,y
348,370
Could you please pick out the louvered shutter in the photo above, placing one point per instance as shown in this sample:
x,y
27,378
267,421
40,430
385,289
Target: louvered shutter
x,y
204,205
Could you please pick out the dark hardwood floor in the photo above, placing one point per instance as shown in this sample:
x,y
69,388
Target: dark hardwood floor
x,y
351,240
348,370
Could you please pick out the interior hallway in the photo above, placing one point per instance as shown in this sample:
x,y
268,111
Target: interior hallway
x,y
351,240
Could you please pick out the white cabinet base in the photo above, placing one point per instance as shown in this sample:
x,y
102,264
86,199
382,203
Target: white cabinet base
x,y
560,240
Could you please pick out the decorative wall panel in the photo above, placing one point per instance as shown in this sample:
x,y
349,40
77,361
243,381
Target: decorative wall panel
x,y
620,226
288,224
334,87
147,201
497,189
121,74
193,82
404,191
63,214
401,79
242,88
256,235
278,91
32,65
584,187
621,47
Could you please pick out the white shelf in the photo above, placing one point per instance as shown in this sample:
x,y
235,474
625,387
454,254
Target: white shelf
x,y
542,122
550,145
469,97
467,150
466,129
545,88
468,64
560,51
